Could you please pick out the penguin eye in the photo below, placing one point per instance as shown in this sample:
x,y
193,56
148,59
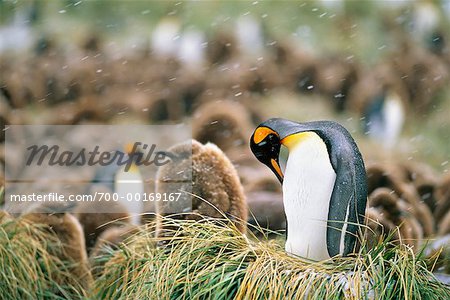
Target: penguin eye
x,y
262,143
272,139
283,157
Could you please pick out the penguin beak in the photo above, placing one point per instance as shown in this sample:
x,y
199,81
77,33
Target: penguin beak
x,y
277,169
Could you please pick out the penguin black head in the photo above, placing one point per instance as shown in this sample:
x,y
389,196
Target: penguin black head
x,y
267,141
265,144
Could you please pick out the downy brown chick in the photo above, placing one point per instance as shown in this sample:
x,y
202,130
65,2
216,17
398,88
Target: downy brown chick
x,y
394,216
108,240
224,123
69,231
442,195
205,171
391,177
96,217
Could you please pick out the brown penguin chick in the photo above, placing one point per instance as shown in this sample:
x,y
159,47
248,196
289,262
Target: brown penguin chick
x,y
109,240
69,232
8,115
423,74
243,157
384,175
444,225
191,83
95,217
215,189
89,109
264,197
411,226
93,43
391,177
5,112
424,179
378,227
297,66
34,80
155,101
442,195
71,113
112,238
224,123
221,47
218,91
417,208
165,104
266,210
262,78
366,88
49,207
95,223
396,211
264,183
18,86
335,77
375,80
254,177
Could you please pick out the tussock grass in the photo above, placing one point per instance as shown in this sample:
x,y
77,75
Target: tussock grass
x,y
29,263
206,260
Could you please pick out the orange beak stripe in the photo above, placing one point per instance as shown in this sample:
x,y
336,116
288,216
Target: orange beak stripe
x,y
261,133
276,167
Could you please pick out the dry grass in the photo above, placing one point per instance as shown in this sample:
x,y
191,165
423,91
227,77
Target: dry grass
x,y
29,263
205,260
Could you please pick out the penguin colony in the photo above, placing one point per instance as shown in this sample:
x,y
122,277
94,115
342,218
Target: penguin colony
x,y
410,200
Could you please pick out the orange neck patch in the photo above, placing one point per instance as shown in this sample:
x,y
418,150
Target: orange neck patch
x,y
292,140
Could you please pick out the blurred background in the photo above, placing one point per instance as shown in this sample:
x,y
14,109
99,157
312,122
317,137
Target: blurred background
x,y
380,68
64,62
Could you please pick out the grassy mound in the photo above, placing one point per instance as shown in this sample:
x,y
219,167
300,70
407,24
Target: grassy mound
x,y
29,263
209,261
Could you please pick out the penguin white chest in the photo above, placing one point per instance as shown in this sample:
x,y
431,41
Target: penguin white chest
x,y
308,184
394,117
130,188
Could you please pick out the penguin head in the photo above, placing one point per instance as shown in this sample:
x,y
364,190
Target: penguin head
x,y
270,140
265,144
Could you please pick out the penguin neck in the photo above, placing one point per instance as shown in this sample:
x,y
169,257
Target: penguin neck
x,y
307,188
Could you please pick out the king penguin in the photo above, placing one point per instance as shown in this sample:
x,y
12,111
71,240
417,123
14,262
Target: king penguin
x,y
324,184
384,117
129,186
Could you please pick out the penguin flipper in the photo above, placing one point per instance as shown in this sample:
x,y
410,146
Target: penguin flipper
x,y
342,215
